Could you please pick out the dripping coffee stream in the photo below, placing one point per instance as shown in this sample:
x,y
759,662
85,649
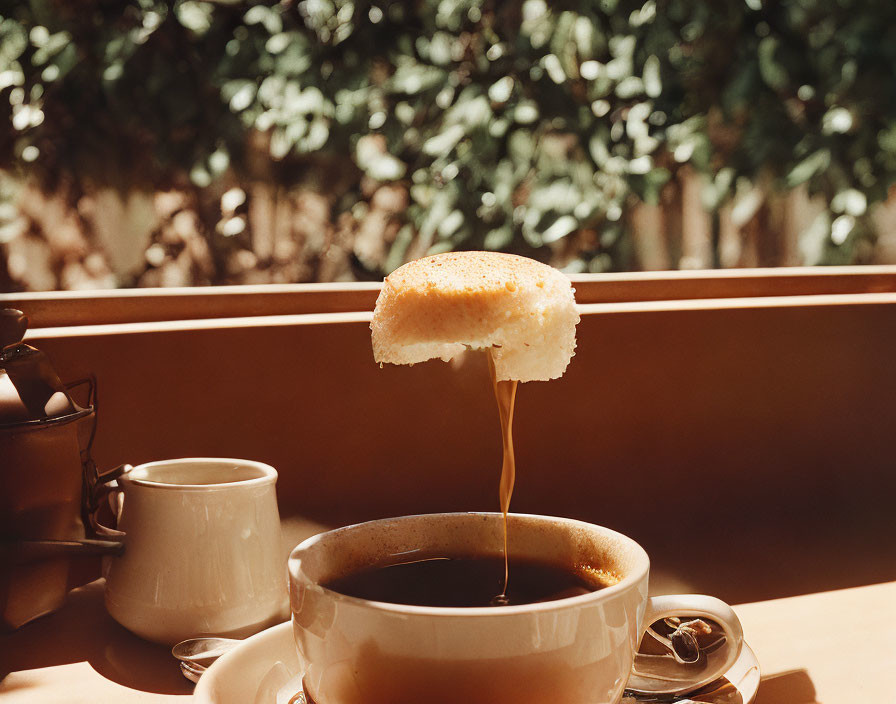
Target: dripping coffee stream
x,y
505,394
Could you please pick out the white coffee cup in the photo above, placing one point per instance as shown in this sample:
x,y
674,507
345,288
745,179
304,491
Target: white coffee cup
x,y
577,650
202,550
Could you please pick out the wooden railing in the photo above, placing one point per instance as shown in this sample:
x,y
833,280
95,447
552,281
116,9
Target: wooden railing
x,y
65,308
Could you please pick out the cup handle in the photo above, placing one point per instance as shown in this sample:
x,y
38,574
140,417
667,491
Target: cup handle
x,y
690,667
108,491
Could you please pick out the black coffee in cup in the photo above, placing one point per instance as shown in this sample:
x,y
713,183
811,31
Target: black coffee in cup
x,y
469,582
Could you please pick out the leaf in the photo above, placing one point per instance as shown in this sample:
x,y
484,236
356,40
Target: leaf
x,y
808,167
554,69
531,233
850,202
471,110
413,78
280,145
399,249
266,16
277,43
629,87
640,165
653,84
195,16
239,94
450,224
501,89
271,91
559,196
218,161
837,120
64,61
598,149
439,48
841,229
385,167
13,41
770,68
440,248
442,204
526,112
423,193
443,143
296,130
54,44
886,139
11,77
561,227
498,239
521,146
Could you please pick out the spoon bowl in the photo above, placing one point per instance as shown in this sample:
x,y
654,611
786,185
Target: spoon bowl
x,y
202,652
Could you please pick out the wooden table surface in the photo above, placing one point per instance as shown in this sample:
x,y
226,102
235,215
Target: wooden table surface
x,y
829,648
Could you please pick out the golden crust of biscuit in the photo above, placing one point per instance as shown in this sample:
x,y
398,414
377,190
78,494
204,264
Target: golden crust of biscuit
x,y
438,305
470,273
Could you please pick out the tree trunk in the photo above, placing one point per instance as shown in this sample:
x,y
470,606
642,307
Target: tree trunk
x,y
7,285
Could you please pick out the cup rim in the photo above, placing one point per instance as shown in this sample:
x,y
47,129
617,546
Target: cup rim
x,y
268,474
633,577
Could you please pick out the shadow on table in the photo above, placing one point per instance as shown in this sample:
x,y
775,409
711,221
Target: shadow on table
x,y
791,687
83,631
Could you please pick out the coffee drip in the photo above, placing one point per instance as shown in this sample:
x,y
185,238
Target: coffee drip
x,y
505,395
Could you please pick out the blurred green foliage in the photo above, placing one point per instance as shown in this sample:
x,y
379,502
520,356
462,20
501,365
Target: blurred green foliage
x,y
513,124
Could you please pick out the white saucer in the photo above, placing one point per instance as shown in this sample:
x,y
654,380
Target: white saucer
x,y
264,669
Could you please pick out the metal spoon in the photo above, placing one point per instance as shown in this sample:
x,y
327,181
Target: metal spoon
x,y
196,654
192,672
203,651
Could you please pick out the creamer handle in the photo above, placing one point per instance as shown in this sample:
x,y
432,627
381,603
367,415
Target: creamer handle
x,y
108,491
